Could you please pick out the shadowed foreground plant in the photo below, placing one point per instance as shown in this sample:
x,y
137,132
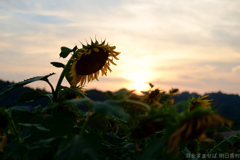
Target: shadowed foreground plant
x,y
194,125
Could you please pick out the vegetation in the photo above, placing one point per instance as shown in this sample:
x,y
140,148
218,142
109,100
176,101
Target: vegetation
x,y
125,126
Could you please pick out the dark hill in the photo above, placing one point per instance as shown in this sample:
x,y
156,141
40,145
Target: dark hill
x,y
10,99
227,105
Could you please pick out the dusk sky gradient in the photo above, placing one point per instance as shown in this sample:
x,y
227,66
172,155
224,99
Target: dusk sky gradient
x,y
193,45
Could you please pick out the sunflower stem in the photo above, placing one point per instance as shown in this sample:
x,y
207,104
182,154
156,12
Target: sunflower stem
x,y
51,87
219,144
84,125
61,79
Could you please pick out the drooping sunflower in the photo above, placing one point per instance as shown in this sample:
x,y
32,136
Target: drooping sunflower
x,y
90,60
200,102
194,125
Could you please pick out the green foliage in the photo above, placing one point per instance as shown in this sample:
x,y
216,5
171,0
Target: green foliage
x,y
107,131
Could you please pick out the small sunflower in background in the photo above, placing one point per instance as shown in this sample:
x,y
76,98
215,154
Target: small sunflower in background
x,y
200,102
173,92
90,60
194,125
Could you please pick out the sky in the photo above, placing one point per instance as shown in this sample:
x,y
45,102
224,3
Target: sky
x,y
193,45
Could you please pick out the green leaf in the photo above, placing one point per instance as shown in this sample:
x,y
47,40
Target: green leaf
x,y
229,140
31,95
44,149
98,122
65,52
73,90
110,107
60,124
182,104
121,94
77,147
16,150
76,101
20,108
111,95
58,64
15,86
153,149
51,106
38,126
22,116
63,122
151,85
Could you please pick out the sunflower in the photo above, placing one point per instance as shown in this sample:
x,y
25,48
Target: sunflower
x,y
90,60
195,125
200,102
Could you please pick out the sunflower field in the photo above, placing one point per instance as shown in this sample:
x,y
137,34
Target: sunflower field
x,y
126,127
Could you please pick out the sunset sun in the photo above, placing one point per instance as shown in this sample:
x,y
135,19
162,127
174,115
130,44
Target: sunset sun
x,y
139,82
139,86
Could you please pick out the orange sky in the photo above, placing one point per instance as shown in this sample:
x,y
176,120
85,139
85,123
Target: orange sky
x,y
190,45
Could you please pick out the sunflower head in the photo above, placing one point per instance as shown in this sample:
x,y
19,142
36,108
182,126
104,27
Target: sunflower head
x,y
90,60
194,125
173,92
199,102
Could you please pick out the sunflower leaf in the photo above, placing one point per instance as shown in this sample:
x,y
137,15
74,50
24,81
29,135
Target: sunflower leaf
x,y
32,95
38,126
153,148
16,150
76,147
151,85
65,52
73,90
58,64
110,107
15,86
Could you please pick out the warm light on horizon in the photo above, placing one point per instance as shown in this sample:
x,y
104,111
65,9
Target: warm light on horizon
x,y
139,81
139,86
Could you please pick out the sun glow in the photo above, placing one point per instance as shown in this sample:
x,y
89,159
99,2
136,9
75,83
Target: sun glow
x,y
139,82
139,86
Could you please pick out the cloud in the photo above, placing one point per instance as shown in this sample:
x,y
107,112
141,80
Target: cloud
x,y
172,41
236,69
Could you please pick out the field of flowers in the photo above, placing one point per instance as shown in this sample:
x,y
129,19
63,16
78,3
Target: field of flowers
x,y
126,127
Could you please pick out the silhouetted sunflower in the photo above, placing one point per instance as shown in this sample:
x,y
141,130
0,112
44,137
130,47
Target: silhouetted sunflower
x,y
90,60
